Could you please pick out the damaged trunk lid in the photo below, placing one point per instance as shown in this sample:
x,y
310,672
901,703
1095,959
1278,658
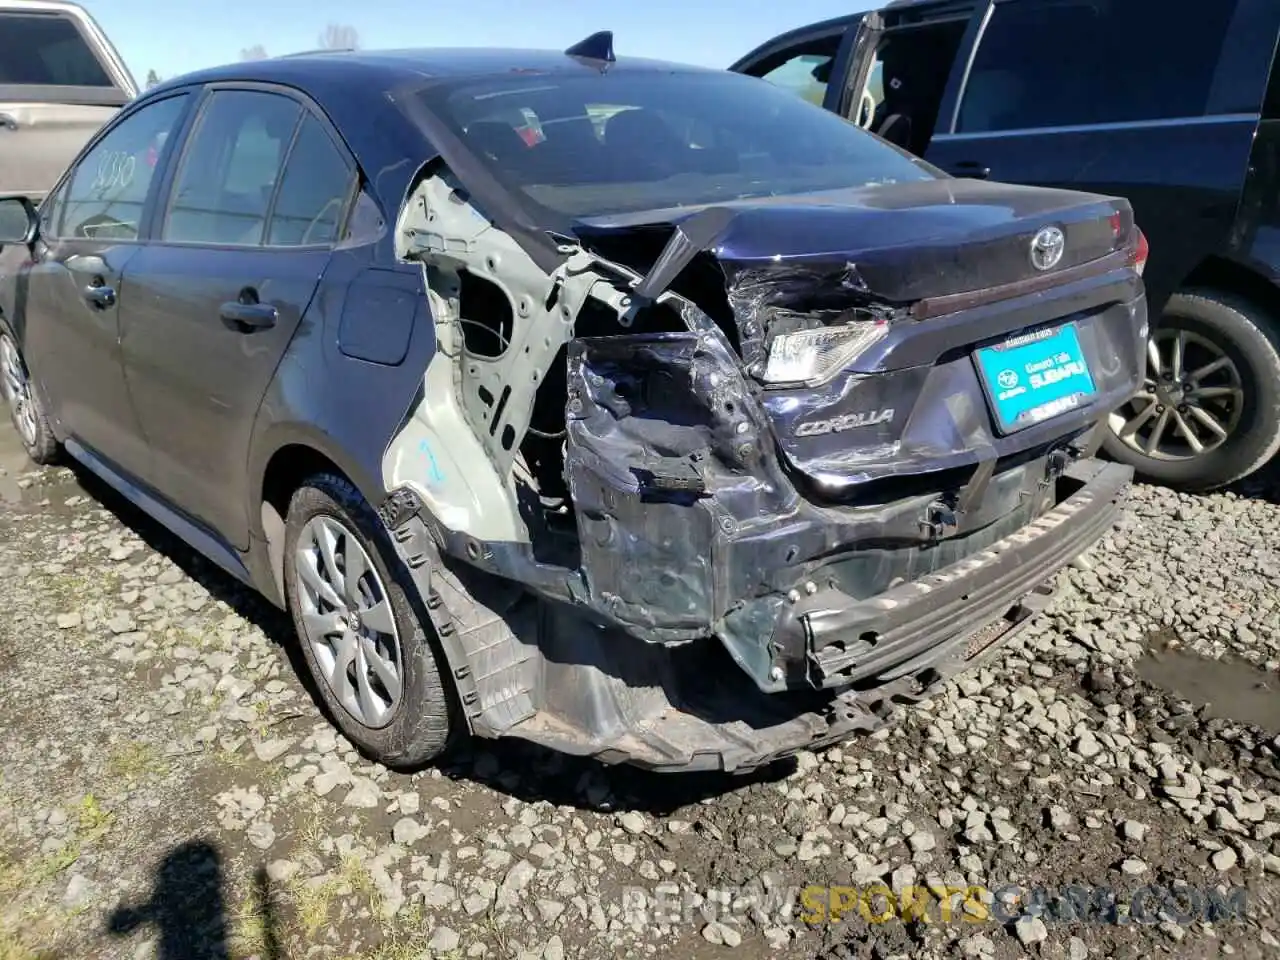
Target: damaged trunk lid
x,y
903,328
893,243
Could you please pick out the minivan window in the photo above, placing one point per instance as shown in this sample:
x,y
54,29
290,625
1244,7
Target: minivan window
x,y
107,191
47,50
230,168
1271,110
1054,63
805,70
314,190
591,145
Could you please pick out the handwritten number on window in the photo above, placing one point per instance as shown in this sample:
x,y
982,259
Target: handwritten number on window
x,y
115,172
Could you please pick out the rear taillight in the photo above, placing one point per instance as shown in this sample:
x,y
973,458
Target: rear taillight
x,y
1140,251
1138,243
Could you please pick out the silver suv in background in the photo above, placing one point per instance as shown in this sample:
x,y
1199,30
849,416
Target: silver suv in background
x,y
60,81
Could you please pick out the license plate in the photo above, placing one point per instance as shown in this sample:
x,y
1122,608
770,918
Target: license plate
x,y
1033,377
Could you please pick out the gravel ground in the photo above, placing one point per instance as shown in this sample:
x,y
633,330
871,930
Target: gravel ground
x,y
168,789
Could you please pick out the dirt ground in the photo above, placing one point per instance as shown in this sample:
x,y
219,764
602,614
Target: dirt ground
x,y
1107,787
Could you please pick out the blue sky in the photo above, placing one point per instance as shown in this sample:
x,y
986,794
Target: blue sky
x,y
175,36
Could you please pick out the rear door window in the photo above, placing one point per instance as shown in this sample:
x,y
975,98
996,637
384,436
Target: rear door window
x,y
314,191
1055,63
230,169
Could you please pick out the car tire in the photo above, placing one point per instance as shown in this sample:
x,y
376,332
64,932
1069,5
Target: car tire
x,y
25,408
405,728
1245,337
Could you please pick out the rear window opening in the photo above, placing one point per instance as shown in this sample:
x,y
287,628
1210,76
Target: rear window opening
x,y
48,50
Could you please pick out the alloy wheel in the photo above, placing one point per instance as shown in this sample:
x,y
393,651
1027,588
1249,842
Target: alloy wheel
x,y
1190,402
348,621
17,390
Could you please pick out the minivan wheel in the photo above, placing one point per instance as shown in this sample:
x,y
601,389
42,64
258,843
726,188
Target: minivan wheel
x,y
24,405
1208,412
375,668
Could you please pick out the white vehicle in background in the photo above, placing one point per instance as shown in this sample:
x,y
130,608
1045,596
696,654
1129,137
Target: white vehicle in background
x,y
60,81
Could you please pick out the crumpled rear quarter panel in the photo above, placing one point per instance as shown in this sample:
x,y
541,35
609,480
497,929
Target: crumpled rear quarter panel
x,y
668,456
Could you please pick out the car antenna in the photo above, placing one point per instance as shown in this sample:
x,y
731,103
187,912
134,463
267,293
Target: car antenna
x,y
595,51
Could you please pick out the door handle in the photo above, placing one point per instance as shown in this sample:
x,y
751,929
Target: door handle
x,y
100,296
971,169
247,317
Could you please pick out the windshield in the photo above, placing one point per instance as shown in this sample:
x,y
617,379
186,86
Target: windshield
x,y
594,145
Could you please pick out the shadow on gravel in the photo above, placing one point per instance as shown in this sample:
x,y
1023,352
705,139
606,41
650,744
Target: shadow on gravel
x,y
514,767
245,601
1263,485
532,773
186,910
274,623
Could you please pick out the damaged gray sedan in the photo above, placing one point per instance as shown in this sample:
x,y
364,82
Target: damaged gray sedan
x,y
643,412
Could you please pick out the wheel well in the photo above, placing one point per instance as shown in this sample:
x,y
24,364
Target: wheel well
x,y
1222,274
287,470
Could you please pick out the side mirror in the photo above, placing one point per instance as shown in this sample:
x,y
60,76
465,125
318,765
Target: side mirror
x,y
19,219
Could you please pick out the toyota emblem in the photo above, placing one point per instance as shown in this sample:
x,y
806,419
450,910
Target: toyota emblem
x,y
1047,248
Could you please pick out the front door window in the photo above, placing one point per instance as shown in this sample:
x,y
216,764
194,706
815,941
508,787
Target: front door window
x,y
106,195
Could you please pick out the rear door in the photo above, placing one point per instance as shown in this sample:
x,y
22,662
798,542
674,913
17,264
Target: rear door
x,y
1153,100
59,84
254,207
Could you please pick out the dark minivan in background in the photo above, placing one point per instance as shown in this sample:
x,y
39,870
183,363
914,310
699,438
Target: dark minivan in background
x,y
60,81
1172,104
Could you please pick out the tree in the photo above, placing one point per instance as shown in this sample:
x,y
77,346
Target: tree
x,y
152,79
256,52
338,36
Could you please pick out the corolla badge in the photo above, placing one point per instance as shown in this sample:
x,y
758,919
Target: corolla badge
x,y
848,421
1047,248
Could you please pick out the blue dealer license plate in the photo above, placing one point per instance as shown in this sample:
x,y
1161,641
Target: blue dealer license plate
x,y
1035,376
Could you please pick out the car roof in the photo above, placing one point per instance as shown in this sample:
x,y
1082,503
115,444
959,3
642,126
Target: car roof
x,y
359,90
393,68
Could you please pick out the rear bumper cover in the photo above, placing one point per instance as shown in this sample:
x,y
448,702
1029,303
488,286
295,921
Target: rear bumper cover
x,y
655,707
896,632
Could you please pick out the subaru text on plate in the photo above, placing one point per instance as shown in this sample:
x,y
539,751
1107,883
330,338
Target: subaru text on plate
x,y
640,411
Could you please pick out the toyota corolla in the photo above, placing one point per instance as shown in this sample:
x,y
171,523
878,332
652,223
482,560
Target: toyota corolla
x,y
645,412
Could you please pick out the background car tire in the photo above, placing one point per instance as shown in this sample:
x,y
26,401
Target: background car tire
x,y
1247,335
36,434
421,725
